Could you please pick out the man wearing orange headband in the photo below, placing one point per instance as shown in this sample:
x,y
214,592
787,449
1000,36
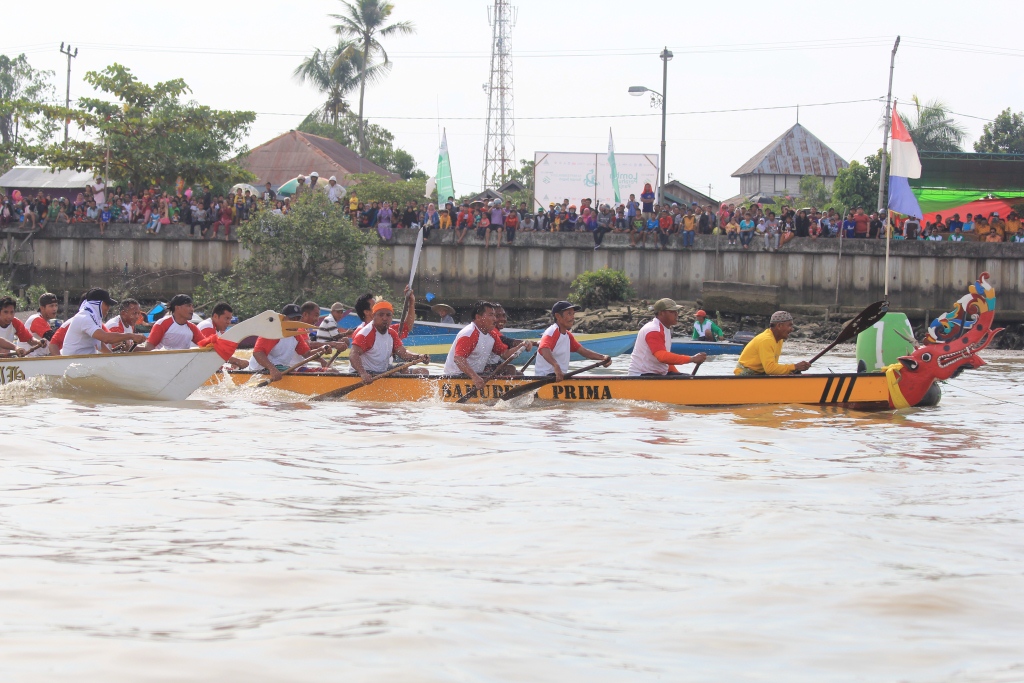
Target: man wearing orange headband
x,y
376,342
364,309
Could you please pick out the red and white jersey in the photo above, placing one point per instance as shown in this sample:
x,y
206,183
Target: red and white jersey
x,y
15,332
57,340
78,340
475,347
117,325
39,326
167,334
377,348
561,344
206,328
284,352
652,336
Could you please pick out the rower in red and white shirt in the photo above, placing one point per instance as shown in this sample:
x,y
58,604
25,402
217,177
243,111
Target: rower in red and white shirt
x,y
364,310
652,353
375,343
175,331
218,321
275,355
57,340
557,344
39,323
13,330
127,319
473,346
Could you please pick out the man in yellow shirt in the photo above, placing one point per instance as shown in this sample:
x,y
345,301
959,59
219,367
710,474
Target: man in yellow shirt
x,y
761,355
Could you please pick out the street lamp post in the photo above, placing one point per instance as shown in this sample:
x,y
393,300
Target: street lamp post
x,y
658,100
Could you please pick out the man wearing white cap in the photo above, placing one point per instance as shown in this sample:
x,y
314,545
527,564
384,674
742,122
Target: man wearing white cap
x,y
313,178
761,355
301,187
335,192
652,353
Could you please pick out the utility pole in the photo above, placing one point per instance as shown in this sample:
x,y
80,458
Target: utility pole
x,y
666,56
884,165
67,95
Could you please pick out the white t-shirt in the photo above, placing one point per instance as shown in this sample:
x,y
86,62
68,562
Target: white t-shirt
x,y
562,345
377,348
99,194
79,340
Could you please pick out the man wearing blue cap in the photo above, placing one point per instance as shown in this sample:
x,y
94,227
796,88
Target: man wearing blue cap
x,y
557,343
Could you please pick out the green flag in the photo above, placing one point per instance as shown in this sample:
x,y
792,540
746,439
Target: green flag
x,y
445,186
611,163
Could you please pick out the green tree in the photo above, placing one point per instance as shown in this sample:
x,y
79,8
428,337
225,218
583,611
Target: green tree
x,y
25,96
931,128
375,188
152,136
335,73
1005,135
813,191
381,148
365,21
600,287
854,187
314,252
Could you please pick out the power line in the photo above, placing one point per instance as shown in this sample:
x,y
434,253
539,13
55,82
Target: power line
x,y
605,116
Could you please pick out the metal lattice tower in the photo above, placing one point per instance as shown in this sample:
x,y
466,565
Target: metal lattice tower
x,y
500,147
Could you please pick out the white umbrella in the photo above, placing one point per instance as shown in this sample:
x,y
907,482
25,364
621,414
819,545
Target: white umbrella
x,y
243,187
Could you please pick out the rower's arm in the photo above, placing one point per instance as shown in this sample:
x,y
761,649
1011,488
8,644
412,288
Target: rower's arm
x,y
463,365
410,313
8,346
117,337
771,364
355,359
402,353
590,355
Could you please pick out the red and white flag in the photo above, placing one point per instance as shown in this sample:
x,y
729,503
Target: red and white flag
x,y
904,160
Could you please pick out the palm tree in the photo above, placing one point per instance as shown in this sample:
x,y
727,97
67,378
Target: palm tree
x,y
365,21
931,128
335,72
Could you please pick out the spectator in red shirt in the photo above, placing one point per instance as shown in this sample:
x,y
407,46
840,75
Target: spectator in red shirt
x,y
863,223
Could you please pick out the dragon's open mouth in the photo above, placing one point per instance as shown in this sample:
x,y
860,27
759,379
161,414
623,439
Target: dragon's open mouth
x,y
947,359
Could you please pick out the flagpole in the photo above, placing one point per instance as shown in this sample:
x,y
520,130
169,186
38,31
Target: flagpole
x,y
882,167
888,236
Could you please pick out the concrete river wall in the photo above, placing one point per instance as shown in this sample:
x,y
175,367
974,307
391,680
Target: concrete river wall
x,y
539,268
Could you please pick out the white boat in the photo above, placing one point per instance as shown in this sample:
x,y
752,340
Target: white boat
x,y
154,376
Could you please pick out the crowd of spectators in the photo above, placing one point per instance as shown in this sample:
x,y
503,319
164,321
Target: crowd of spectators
x,y
647,223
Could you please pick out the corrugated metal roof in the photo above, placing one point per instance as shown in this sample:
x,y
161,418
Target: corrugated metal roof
x,y
795,152
295,153
42,178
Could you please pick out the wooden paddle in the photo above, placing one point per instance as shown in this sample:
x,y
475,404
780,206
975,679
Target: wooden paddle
x,y
501,366
338,393
313,356
531,386
863,320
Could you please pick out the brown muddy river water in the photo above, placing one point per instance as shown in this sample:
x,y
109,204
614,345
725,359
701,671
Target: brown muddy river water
x,y
250,536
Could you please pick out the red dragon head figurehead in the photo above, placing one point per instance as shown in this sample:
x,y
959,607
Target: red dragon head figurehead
x,y
951,343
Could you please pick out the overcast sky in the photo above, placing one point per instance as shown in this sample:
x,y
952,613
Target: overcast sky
x,y
574,59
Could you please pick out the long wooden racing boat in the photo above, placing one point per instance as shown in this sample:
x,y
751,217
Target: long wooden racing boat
x,y
156,375
951,346
868,391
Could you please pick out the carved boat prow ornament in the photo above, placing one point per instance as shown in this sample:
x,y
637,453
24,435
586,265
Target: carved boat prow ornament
x,y
155,375
951,345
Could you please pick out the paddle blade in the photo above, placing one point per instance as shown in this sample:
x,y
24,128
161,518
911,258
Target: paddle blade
x,y
862,321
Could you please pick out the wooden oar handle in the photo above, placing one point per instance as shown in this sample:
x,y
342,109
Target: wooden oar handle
x,y
313,356
338,393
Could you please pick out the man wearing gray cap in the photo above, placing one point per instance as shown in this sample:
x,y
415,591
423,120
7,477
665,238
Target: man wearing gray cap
x,y
652,353
761,355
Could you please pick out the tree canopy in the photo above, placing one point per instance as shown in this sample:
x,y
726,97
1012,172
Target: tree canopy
x,y
335,72
855,186
1005,135
366,21
314,252
26,94
152,135
375,188
931,127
